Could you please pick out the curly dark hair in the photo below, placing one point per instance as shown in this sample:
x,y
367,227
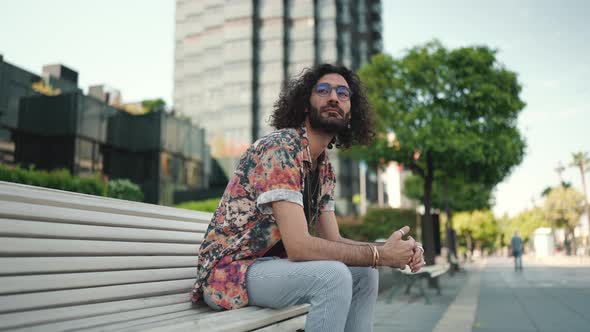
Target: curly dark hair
x,y
289,109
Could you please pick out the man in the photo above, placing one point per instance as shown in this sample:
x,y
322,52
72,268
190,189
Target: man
x,y
516,244
283,246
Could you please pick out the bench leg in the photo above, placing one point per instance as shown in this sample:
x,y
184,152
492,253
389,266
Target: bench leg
x,y
392,292
423,291
409,285
398,284
410,281
394,287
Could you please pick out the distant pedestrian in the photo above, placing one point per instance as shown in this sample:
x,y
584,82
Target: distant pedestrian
x,y
516,245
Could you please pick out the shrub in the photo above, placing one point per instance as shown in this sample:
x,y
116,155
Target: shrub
x,y
57,179
379,223
209,205
125,189
61,179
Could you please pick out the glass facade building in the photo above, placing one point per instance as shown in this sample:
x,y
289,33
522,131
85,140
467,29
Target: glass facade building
x,y
17,83
233,56
49,123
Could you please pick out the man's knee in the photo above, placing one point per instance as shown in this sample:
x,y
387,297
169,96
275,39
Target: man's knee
x,y
368,278
337,276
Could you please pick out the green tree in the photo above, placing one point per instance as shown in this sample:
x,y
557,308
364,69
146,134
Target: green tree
x,y
476,229
582,162
563,207
460,195
452,111
154,105
526,222
547,190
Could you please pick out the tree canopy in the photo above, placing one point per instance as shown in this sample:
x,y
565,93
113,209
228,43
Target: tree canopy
x,y
479,228
581,160
564,207
547,190
526,222
460,194
459,106
154,105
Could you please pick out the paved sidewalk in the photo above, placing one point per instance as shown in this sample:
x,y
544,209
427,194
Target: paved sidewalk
x,y
411,313
548,295
551,294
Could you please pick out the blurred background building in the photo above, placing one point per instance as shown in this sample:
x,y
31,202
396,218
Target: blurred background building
x,y
47,122
232,58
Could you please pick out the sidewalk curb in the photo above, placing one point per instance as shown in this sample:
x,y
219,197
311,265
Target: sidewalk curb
x,y
460,315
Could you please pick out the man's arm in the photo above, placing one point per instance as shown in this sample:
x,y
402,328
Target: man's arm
x,y
301,246
327,228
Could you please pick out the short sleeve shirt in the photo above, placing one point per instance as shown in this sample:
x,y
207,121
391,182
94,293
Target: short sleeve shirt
x,y
243,227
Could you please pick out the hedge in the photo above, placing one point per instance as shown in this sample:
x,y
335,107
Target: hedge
x,y
62,180
125,189
379,223
208,205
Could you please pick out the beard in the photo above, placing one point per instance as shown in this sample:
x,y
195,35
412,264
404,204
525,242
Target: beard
x,y
327,123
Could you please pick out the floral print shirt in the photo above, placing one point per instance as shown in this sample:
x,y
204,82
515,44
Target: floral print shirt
x,y
243,227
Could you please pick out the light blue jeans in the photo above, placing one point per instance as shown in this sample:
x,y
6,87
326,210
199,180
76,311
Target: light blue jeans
x,y
342,298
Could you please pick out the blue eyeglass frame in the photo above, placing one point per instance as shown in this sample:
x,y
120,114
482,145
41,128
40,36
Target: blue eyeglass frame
x,y
339,90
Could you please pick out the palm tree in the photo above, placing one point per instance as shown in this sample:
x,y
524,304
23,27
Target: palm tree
x,y
582,162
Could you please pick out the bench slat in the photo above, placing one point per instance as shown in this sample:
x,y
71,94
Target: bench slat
x,y
131,321
75,216
57,247
53,299
37,317
47,282
235,323
23,228
442,270
45,196
428,269
184,322
263,318
292,324
37,265
179,309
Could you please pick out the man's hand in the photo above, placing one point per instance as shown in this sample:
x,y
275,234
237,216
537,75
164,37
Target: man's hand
x,y
397,252
417,261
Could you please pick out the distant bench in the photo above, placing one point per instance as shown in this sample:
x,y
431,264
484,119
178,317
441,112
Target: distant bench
x,y
455,267
70,261
406,279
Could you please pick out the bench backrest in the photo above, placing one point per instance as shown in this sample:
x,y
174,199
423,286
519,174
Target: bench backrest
x,y
65,255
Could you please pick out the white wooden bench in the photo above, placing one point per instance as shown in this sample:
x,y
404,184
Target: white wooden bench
x,y
70,261
405,278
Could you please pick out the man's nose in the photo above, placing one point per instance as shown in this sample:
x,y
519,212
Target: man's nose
x,y
333,96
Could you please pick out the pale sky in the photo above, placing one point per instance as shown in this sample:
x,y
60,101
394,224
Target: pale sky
x,y
129,45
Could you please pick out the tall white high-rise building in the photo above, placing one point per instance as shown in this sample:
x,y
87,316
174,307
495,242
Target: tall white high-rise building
x,y
232,57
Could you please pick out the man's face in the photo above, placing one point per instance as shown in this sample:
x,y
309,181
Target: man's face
x,y
330,113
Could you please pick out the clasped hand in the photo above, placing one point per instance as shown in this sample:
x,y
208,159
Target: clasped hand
x,y
397,252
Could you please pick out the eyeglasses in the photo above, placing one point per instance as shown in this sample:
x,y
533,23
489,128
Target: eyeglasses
x,y
325,89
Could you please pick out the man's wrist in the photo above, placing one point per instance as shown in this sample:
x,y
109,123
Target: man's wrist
x,y
374,256
380,253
